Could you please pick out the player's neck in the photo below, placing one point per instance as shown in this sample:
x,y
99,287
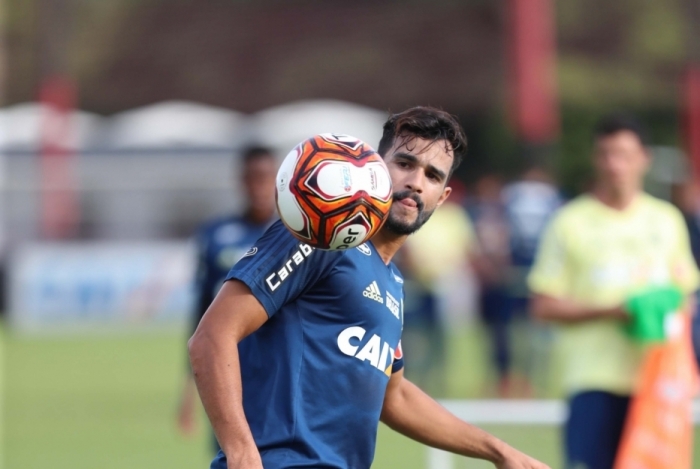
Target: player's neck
x,y
616,199
387,243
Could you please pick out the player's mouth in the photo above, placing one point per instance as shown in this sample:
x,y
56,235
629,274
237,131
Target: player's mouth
x,y
409,200
408,203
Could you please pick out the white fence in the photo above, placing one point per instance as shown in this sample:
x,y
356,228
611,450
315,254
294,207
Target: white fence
x,y
508,412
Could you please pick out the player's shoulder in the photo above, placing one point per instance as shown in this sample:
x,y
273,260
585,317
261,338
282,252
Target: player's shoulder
x,y
573,212
573,216
658,206
661,212
579,204
279,241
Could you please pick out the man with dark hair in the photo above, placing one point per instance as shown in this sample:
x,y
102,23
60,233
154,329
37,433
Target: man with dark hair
x,y
429,124
221,242
615,123
299,373
601,258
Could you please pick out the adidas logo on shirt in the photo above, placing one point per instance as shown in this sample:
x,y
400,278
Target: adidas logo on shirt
x,y
373,292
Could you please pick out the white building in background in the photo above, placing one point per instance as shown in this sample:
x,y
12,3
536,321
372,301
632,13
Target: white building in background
x,y
173,124
21,126
283,127
159,170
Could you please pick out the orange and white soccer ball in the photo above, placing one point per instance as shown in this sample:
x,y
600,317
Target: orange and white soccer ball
x,y
333,191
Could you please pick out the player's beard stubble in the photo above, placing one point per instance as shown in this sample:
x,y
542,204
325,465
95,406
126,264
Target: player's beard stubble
x,y
402,227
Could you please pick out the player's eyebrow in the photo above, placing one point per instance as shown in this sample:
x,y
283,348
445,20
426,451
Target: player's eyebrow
x,y
414,159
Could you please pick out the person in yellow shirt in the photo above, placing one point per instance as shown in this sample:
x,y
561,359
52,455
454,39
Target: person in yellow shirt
x,y
600,250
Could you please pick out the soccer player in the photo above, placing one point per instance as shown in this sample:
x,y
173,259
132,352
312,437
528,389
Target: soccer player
x,y
221,242
599,250
299,356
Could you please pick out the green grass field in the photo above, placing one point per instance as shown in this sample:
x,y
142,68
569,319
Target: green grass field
x,y
109,402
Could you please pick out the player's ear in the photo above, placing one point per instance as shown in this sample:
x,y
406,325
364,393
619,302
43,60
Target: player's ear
x,y
445,194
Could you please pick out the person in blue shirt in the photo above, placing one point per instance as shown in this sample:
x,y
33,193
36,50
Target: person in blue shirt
x,y
298,358
222,241
529,204
491,266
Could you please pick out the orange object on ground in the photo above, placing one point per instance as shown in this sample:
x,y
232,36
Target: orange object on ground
x,y
659,431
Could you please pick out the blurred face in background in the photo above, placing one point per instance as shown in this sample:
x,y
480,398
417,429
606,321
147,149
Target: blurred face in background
x,y
259,186
620,161
488,188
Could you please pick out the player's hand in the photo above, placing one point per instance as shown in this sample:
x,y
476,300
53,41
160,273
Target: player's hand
x,y
514,459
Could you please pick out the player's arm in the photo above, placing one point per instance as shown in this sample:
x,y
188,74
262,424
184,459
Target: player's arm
x,y
551,308
188,401
411,412
234,314
204,281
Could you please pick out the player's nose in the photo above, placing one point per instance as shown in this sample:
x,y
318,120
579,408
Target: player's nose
x,y
414,181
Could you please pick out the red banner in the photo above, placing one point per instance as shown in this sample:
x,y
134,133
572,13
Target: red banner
x,y
691,116
534,103
59,198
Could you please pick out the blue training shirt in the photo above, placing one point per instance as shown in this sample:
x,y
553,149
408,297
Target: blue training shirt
x,y
314,375
220,243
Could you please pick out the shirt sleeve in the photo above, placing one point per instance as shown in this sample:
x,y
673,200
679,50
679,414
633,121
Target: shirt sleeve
x,y
279,268
550,274
683,267
397,364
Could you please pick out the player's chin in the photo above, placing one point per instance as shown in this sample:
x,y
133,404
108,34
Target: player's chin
x,y
404,213
407,219
401,225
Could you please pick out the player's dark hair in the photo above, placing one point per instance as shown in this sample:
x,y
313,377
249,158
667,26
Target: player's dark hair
x,y
256,152
619,122
428,123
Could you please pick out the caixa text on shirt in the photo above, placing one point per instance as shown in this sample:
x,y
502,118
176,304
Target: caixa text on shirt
x,y
375,351
275,279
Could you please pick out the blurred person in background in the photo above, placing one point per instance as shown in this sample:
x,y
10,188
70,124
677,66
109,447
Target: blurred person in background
x,y
598,253
529,203
490,264
221,242
431,258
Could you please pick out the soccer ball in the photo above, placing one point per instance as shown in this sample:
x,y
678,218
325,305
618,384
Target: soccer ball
x,y
333,191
